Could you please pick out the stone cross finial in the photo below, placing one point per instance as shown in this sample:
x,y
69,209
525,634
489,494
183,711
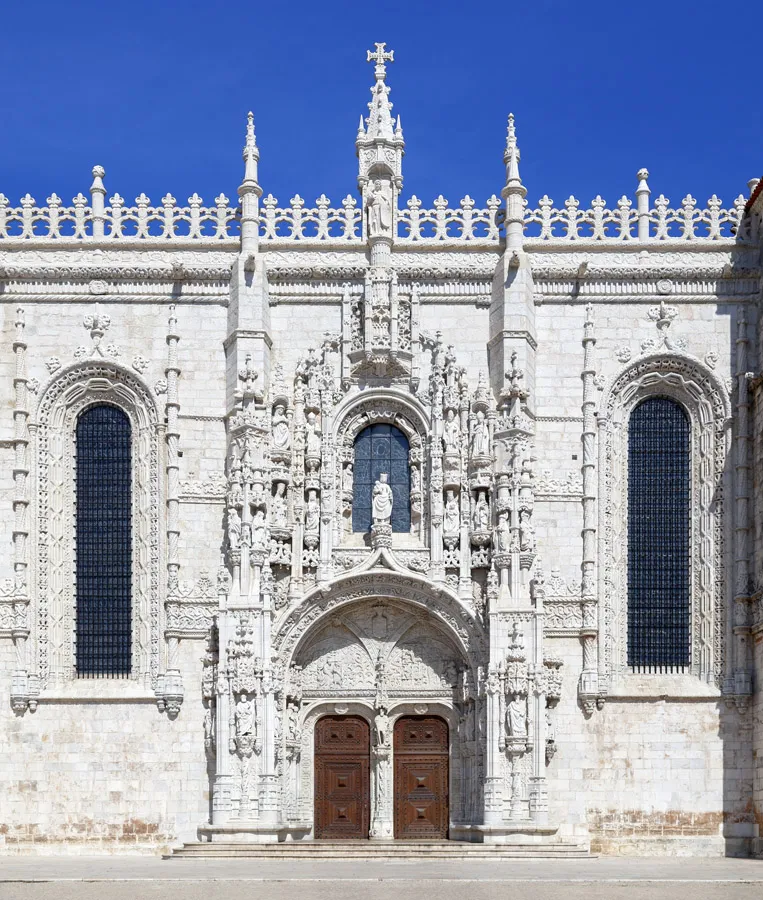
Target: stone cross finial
x,y
380,56
248,374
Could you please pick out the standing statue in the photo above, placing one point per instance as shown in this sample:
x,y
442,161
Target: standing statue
x,y
245,716
382,501
481,516
503,533
312,513
516,716
451,436
526,532
234,528
451,517
258,529
347,479
379,212
382,728
312,436
278,506
281,437
480,436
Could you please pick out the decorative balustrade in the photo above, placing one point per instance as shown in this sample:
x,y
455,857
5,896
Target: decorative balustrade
x,y
117,221
93,219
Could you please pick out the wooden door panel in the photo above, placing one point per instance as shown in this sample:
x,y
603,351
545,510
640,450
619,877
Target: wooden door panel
x,y
421,778
342,778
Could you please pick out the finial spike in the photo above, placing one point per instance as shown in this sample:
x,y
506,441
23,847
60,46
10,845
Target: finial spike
x,y
251,153
511,155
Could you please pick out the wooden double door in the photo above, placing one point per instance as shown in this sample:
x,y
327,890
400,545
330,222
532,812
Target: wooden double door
x,y
342,778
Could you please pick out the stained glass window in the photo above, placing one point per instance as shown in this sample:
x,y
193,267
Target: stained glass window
x,y
378,449
104,543
659,458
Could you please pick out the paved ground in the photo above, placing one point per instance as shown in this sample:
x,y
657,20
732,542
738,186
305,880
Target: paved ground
x,y
133,878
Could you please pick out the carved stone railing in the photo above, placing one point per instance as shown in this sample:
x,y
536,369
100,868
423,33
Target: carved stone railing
x,y
117,221
319,223
92,219
444,224
624,223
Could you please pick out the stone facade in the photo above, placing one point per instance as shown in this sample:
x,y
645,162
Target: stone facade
x,y
249,347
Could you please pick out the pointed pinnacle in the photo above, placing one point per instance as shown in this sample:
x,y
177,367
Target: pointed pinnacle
x,y
250,139
511,155
398,128
361,125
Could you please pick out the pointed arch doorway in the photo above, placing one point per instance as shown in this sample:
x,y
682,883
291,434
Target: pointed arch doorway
x,y
421,778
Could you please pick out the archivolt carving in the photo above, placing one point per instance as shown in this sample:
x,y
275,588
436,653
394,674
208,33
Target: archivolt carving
x,y
410,592
706,402
66,396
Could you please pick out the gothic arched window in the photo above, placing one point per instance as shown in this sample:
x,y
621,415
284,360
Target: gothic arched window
x,y
378,449
659,459
103,542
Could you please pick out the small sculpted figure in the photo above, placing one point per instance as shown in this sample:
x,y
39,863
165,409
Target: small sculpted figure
x,y
516,717
526,532
234,528
503,533
382,501
451,517
379,212
480,436
451,436
312,513
258,529
281,436
481,517
312,436
278,506
245,716
347,479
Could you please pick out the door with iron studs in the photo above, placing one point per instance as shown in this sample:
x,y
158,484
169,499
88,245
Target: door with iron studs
x,y
342,778
421,778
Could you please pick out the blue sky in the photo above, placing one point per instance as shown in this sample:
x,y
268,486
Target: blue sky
x,y
157,93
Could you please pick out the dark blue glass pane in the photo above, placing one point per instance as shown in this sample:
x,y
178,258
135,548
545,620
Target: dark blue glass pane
x,y
104,542
399,445
362,471
658,535
363,445
381,449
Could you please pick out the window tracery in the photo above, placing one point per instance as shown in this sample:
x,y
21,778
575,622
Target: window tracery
x,y
659,459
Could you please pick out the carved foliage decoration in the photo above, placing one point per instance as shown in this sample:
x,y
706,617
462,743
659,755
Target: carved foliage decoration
x,y
706,402
68,394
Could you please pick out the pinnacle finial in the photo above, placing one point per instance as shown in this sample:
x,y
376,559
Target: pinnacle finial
x,y
380,56
251,153
511,157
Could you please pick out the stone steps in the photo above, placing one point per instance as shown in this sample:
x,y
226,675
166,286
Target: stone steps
x,y
392,850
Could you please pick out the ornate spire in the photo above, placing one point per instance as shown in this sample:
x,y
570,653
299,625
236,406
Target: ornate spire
x,y
380,131
511,159
251,157
380,122
514,192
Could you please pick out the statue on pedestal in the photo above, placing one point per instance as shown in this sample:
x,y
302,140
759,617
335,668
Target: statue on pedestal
x,y
382,501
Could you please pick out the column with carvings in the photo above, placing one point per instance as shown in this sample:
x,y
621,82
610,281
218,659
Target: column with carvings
x,y
24,684
588,686
169,689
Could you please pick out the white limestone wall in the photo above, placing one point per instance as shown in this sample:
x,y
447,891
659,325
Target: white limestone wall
x,y
84,777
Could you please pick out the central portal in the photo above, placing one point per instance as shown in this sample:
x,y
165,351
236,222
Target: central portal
x,y
342,783
421,778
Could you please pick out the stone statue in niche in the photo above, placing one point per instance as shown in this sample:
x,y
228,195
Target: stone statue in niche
x,y
451,436
312,513
245,716
526,532
516,716
503,533
281,436
234,528
379,208
481,516
258,529
382,728
347,479
415,479
278,506
292,728
451,518
480,436
382,501
312,436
